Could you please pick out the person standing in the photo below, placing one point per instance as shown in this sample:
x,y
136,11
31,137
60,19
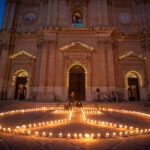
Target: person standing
x,y
72,96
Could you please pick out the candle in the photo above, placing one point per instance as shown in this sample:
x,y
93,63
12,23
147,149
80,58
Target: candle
x,y
50,134
75,135
87,136
98,135
60,135
80,135
68,135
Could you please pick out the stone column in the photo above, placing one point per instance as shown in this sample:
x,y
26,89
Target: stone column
x,y
11,14
3,65
102,62
42,78
49,12
110,65
51,70
99,12
104,12
54,12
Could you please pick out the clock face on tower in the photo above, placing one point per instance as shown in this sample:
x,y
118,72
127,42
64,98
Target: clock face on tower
x,y
125,18
30,17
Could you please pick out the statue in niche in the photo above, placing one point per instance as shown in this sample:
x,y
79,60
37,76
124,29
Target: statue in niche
x,y
77,19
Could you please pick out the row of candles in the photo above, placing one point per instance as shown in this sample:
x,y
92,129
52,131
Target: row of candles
x,y
46,123
75,135
92,112
92,109
23,128
41,124
63,111
29,110
129,130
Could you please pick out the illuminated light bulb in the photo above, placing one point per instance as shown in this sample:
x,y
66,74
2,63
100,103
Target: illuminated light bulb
x,y
39,124
51,122
95,121
30,125
110,124
87,136
43,123
99,122
58,121
44,134
55,121
50,134
120,126
80,135
28,132
92,135
9,130
120,134
91,121
36,133
75,135
62,120
148,130
114,134
126,133
60,135
68,135
98,135
0,127
107,135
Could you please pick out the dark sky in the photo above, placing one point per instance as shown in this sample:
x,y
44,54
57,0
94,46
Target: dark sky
x,y
2,3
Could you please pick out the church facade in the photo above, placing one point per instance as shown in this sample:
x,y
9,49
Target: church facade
x,y
51,48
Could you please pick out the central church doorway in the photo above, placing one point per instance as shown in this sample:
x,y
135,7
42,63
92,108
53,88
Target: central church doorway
x,y
77,82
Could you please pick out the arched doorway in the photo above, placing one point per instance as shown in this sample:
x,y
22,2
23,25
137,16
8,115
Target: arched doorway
x,y
133,82
77,82
21,85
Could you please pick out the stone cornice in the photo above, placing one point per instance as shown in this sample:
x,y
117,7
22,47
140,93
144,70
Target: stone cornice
x,y
119,35
98,29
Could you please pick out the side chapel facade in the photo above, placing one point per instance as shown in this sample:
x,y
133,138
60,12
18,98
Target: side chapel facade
x,y
49,48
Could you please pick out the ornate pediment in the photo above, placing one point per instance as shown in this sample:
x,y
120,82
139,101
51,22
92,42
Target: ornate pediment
x,y
22,54
132,56
77,47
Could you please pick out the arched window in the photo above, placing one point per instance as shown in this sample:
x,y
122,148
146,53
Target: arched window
x,y
2,7
77,19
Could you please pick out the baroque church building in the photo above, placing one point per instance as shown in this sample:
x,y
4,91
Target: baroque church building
x,y
51,48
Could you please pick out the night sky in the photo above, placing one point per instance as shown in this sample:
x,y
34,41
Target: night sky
x,y
2,3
